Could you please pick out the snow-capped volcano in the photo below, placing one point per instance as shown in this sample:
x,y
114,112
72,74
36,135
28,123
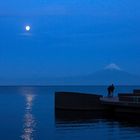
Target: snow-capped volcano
x,y
112,66
111,73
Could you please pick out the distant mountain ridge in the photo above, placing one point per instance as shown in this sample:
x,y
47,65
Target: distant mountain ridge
x,y
108,75
103,77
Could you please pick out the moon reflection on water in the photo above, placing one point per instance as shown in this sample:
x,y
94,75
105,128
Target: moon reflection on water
x,y
29,120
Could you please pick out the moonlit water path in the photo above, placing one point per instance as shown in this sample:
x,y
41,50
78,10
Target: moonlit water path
x,y
29,120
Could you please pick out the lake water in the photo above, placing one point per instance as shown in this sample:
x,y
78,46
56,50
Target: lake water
x,y
27,113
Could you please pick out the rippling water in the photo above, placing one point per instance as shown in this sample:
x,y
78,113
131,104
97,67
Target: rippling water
x,y
27,113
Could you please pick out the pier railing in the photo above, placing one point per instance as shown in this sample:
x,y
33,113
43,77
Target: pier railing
x,y
130,98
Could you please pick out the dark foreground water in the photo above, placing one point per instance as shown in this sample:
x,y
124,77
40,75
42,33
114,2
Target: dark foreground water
x,y
27,113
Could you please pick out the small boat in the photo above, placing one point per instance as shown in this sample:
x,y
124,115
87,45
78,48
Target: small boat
x,y
77,101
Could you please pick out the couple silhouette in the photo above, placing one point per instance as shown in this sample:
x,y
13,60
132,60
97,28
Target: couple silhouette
x,y
110,90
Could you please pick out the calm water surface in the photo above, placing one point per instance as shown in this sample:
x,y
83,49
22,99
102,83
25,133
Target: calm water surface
x,y
27,113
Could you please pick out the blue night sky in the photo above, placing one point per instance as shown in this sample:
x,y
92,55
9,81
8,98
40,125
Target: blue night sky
x,y
68,37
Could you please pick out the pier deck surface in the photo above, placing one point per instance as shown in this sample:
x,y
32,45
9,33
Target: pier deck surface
x,y
110,99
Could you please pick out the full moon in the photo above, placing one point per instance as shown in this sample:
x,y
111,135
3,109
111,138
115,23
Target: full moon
x,y
28,28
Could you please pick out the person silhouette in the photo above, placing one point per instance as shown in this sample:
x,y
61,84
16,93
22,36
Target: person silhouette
x,y
110,90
